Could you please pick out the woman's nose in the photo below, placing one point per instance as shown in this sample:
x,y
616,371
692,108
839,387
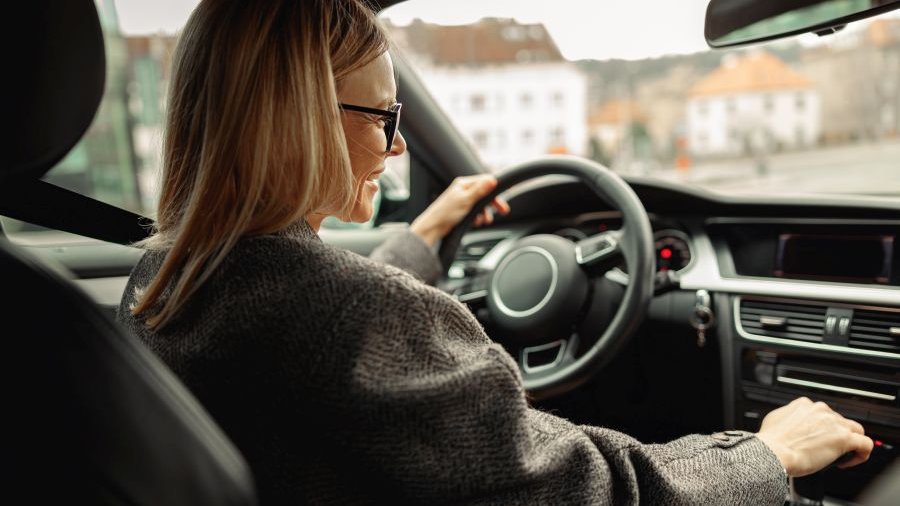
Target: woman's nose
x,y
399,145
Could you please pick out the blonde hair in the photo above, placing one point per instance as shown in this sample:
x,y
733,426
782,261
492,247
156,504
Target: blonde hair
x,y
253,137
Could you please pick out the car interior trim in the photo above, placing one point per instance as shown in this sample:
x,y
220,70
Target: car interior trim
x,y
834,388
705,275
688,241
736,305
529,369
798,221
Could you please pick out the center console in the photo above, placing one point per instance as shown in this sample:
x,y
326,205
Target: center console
x,y
778,348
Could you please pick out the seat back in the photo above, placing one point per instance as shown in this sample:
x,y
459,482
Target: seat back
x,y
91,416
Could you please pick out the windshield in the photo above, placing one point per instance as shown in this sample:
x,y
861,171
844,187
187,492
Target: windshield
x,y
633,86
629,84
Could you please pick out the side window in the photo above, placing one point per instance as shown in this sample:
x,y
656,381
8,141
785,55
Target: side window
x,y
117,161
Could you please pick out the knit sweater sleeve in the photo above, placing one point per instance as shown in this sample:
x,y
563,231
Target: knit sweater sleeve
x,y
422,404
407,251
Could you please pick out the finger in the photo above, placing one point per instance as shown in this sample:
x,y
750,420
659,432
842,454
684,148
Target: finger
x,y
485,185
488,216
861,446
470,181
501,205
479,220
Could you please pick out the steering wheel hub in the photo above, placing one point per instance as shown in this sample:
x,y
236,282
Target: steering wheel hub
x,y
537,290
525,281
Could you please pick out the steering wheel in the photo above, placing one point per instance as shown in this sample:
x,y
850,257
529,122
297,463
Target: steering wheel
x,y
541,295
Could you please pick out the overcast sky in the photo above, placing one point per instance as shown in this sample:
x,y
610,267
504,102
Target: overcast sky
x,y
598,29
582,29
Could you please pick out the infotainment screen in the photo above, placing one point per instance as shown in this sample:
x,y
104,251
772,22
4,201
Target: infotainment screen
x,y
861,259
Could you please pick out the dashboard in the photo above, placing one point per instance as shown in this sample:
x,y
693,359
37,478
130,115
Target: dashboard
x,y
805,293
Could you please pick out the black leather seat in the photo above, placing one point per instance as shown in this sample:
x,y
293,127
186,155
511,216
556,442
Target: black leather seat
x,y
89,415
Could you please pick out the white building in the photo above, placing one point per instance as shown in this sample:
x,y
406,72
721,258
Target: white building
x,y
505,86
750,104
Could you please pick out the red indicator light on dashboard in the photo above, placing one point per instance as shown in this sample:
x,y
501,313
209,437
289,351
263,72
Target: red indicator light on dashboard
x,y
666,253
877,442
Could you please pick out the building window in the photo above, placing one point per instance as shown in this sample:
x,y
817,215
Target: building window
x,y
557,136
527,137
768,103
702,108
525,56
800,135
525,100
800,102
476,102
557,99
730,106
513,33
480,137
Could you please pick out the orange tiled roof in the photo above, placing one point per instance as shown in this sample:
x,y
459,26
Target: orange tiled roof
x,y
752,72
883,32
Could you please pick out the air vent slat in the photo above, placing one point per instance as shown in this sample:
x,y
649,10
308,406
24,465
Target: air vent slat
x,y
751,305
788,329
787,335
872,337
801,322
881,331
775,312
869,345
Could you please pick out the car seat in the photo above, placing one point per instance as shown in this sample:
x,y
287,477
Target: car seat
x,y
91,416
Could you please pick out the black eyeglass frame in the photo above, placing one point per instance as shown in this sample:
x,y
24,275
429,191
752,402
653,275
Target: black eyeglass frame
x,y
391,122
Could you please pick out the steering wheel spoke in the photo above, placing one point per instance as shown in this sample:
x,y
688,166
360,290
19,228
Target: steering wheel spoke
x,y
600,252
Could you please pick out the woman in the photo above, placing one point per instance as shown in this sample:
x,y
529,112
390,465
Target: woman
x,y
340,378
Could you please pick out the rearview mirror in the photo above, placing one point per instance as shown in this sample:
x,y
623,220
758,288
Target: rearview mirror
x,y
736,22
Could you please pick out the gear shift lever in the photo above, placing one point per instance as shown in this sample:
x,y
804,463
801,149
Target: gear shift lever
x,y
810,490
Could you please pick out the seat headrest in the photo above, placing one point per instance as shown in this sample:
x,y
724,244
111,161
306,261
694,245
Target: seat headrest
x,y
55,83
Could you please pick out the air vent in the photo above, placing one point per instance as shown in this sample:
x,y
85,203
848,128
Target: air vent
x,y
787,320
875,330
474,251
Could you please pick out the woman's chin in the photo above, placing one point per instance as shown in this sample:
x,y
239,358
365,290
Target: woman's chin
x,y
362,212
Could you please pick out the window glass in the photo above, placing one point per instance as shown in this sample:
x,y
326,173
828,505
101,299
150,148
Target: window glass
x,y
633,86
118,160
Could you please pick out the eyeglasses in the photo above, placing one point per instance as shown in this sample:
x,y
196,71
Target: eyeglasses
x,y
391,118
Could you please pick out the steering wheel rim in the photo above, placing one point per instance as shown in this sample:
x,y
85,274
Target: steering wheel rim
x,y
636,242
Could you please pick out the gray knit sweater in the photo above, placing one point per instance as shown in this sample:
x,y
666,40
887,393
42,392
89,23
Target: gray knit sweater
x,y
347,381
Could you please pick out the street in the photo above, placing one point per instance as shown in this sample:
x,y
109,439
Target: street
x,y
871,168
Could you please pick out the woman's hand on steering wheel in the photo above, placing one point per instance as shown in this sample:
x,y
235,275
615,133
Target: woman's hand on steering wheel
x,y
454,204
